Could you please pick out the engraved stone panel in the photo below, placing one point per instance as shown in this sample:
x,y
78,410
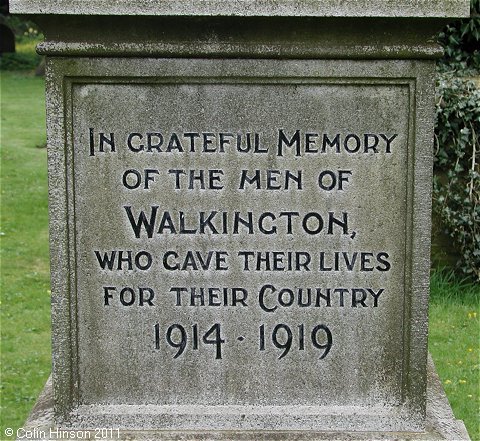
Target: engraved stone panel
x,y
241,243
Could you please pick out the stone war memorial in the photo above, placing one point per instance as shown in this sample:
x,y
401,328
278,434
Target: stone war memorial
x,y
240,219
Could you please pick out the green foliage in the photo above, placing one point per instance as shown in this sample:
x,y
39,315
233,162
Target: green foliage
x,y
457,185
456,191
23,29
19,61
27,36
461,41
447,287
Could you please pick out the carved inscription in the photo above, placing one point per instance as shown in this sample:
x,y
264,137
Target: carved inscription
x,y
152,221
215,240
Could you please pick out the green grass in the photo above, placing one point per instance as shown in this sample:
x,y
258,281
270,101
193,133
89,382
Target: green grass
x,y
454,344
25,309
25,316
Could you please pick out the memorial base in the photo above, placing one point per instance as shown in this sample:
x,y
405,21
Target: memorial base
x,y
440,425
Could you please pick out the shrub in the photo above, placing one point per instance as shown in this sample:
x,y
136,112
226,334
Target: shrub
x,y
456,189
461,41
457,185
25,57
27,36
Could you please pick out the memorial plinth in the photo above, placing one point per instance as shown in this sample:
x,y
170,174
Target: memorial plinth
x,y
240,216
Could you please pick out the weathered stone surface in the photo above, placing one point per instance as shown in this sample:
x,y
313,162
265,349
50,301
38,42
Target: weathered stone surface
x,y
356,241
248,8
240,218
243,240
440,425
